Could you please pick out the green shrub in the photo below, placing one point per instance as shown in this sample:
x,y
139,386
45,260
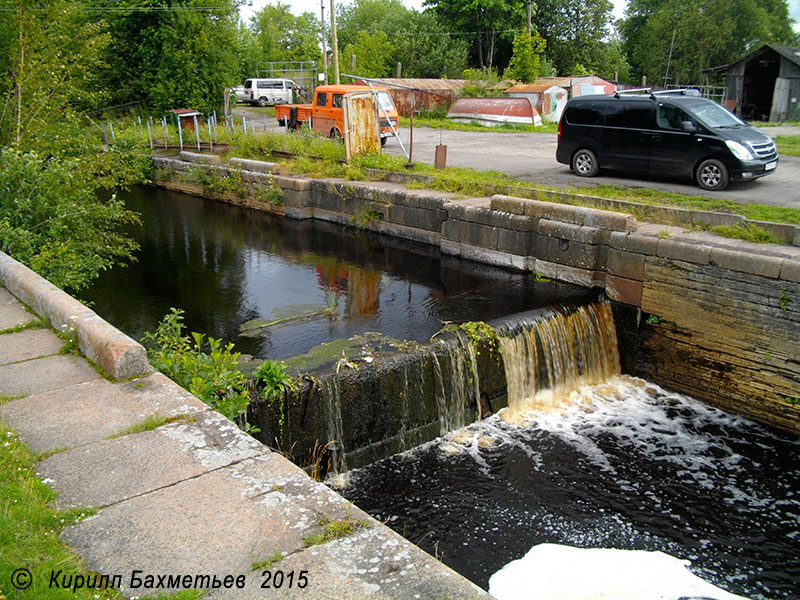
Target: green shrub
x,y
212,376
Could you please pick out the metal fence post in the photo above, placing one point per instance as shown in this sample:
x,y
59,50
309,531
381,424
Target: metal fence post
x,y
180,133
196,131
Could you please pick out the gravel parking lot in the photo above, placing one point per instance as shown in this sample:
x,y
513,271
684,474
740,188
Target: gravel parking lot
x,y
531,157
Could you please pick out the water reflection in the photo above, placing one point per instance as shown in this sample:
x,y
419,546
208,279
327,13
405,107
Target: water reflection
x,y
225,266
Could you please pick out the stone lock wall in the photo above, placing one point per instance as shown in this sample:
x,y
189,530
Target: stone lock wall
x,y
715,318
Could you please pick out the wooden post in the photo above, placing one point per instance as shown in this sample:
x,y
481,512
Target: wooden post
x,y
335,45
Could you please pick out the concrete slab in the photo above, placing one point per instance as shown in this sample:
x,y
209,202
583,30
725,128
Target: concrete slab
x,y
216,524
89,412
28,344
44,374
6,297
113,470
14,314
373,563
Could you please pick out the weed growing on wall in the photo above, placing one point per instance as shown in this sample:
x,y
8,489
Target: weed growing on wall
x,y
212,376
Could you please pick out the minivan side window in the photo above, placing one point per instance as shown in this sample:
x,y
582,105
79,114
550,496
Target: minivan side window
x,y
671,117
585,114
322,98
631,115
264,84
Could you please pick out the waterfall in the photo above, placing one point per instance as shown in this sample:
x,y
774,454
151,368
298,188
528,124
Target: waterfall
x,y
458,387
333,415
547,358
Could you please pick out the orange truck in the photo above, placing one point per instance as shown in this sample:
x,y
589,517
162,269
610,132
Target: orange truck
x,y
325,111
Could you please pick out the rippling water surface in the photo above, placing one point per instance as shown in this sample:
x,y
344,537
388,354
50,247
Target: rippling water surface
x,y
627,465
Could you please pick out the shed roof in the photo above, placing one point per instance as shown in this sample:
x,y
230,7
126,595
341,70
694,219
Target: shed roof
x,y
787,52
424,83
528,88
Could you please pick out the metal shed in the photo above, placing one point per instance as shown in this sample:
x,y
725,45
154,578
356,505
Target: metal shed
x,y
763,85
548,100
416,94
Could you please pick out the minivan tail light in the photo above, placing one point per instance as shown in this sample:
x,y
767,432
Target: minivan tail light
x,y
559,132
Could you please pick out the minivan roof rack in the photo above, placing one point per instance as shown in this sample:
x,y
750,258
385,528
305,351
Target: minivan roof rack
x,y
632,91
678,92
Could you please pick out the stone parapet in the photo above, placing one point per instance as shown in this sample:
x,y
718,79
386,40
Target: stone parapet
x,y
109,348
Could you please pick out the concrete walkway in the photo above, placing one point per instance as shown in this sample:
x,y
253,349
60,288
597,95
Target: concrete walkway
x,y
194,497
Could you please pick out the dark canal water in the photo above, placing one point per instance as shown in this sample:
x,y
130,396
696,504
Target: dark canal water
x,y
225,266
629,466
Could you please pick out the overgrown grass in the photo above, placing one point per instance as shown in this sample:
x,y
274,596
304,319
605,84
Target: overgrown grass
x,y
320,157
30,528
788,144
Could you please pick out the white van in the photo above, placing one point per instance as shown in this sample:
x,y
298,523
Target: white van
x,y
268,91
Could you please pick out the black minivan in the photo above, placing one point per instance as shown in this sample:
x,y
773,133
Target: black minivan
x,y
663,133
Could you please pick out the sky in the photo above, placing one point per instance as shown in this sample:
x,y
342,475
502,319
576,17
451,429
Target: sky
x,y
300,6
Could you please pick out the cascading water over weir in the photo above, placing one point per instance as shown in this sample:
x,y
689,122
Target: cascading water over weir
x,y
643,492
547,357
526,361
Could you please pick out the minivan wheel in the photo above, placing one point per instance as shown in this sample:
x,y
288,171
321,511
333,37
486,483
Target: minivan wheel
x,y
712,175
262,102
584,163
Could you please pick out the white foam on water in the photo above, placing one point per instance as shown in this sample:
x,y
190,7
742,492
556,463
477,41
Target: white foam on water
x,y
557,572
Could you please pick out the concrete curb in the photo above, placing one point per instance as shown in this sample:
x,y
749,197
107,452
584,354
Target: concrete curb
x,y
116,353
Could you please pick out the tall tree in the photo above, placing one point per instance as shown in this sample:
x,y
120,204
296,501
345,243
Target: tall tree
x,y
371,52
173,54
490,21
576,32
427,49
281,36
50,54
716,32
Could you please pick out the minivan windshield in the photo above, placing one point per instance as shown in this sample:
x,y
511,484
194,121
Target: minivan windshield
x,y
714,115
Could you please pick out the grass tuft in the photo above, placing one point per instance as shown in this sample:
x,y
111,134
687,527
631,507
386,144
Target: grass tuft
x,y
152,422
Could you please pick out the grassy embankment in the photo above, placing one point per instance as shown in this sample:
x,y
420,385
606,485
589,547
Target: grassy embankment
x,y
320,157
29,533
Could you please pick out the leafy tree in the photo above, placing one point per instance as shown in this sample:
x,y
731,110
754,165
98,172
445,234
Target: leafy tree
x,y
717,32
372,53
492,22
426,49
50,54
576,32
174,54
52,220
371,16
526,59
280,36
52,216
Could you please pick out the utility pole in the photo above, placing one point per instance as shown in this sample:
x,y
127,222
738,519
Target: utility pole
x,y
324,40
669,60
335,44
529,18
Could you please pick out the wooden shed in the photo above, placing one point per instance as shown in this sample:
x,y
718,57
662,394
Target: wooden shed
x,y
548,100
420,94
763,85
579,85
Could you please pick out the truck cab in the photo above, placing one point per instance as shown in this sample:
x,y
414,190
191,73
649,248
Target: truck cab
x,y
325,111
